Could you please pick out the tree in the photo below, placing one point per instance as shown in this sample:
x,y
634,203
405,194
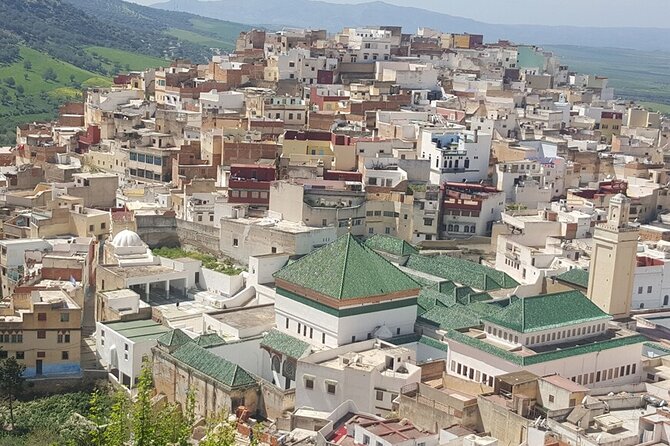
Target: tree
x,y
117,432
11,382
143,429
27,65
10,81
50,75
20,89
220,432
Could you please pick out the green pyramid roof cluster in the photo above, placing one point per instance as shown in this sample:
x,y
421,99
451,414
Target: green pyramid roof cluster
x,y
346,269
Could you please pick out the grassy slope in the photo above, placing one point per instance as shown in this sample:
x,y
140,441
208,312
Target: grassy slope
x,y
211,33
33,104
135,62
642,75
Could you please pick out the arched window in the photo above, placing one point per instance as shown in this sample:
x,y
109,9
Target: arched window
x,y
456,228
467,163
450,164
450,228
276,364
665,300
472,229
466,228
456,164
641,306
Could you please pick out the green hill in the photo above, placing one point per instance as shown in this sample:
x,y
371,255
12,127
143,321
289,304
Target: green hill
x,y
50,49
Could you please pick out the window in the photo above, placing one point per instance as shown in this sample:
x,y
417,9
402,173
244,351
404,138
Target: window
x,y
41,334
387,231
20,355
41,317
287,322
428,221
65,356
3,354
380,395
309,383
330,388
236,242
65,317
91,228
639,290
551,398
665,299
649,289
41,354
323,338
366,439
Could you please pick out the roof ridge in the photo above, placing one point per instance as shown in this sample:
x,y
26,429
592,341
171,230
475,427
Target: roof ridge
x,y
344,263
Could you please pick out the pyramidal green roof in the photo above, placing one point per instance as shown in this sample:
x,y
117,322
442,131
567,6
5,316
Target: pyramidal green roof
x,y
216,367
390,245
462,271
547,311
575,276
285,344
174,338
210,340
346,269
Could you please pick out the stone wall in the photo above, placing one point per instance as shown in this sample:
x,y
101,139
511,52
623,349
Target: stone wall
x,y
174,380
198,237
160,230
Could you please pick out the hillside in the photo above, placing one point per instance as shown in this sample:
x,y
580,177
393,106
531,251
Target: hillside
x,y
50,49
333,16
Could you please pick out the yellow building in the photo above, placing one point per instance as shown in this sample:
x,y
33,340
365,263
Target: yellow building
x,y
42,329
613,260
610,125
310,142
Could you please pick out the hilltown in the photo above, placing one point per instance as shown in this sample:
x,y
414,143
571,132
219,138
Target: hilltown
x,y
369,238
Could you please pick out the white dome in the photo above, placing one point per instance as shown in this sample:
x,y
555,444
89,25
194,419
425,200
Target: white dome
x,y
127,238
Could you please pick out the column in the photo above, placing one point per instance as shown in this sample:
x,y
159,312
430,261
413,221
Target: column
x,y
167,289
147,289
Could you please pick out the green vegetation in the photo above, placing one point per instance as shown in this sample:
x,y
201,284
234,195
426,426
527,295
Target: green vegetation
x,y
208,261
41,84
114,60
45,418
199,38
634,74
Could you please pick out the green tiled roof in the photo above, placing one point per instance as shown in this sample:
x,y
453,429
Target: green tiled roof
x,y
216,367
425,340
462,271
548,311
138,331
546,356
174,338
285,344
454,317
346,269
209,340
390,245
575,276
659,349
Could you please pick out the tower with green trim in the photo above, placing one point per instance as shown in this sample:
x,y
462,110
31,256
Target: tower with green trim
x,y
344,292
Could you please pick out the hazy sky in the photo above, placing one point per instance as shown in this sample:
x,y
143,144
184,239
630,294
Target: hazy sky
x,y
639,13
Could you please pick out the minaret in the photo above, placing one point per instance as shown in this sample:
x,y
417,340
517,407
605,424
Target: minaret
x,y
613,260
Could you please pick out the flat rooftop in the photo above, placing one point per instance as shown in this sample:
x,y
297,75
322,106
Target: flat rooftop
x,y
278,225
247,317
366,359
137,331
139,271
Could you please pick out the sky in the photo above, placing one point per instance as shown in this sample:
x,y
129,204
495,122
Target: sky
x,y
610,13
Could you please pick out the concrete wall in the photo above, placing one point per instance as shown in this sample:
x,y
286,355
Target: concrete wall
x,y
509,428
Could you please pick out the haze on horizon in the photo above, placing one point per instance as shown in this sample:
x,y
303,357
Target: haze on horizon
x,y
599,13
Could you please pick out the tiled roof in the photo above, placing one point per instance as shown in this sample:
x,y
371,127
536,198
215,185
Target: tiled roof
x,y
174,338
462,271
285,344
209,340
454,317
216,367
548,311
575,276
390,245
425,340
346,269
552,355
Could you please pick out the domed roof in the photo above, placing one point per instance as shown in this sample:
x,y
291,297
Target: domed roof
x,y
127,238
